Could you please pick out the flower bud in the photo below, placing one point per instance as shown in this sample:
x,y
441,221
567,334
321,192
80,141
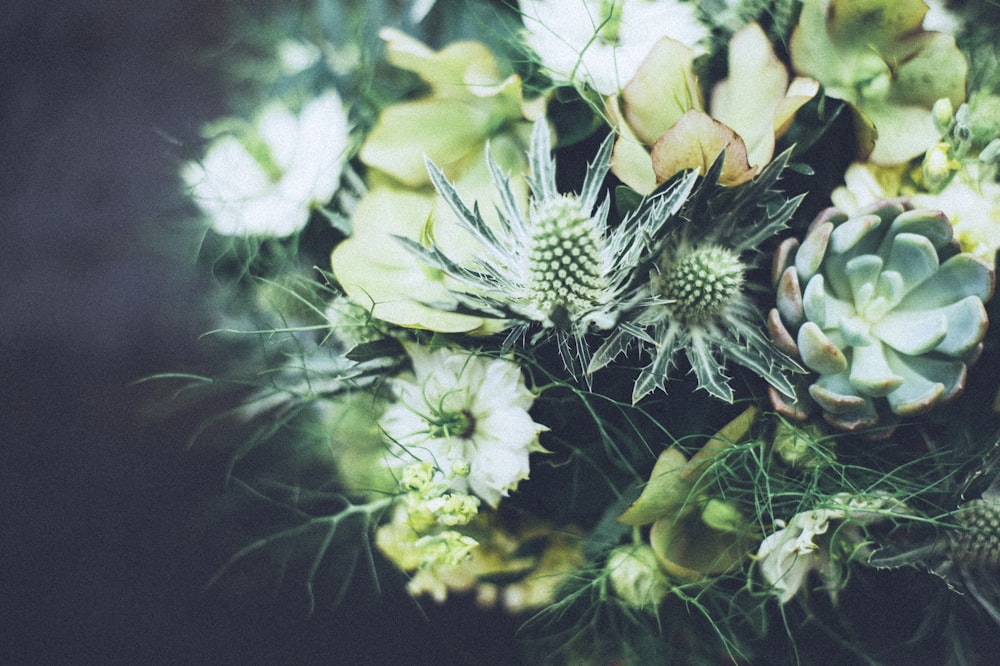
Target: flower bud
x,y
418,477
796,445
937,167
723,516
636,576
943,113
991,153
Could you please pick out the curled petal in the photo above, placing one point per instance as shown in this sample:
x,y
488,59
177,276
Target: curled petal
x,y
694,142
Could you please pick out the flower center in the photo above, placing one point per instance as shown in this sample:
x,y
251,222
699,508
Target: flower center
x,y
564,260
700,284
451,424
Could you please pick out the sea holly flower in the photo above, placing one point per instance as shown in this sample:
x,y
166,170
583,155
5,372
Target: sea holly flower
x,y
468,416
697,298
265,178
600,43
469,103
874,55
560,265
883,308
964,550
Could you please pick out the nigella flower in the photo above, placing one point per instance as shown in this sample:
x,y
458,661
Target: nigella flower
x,y
266,178
601,43
468,416
559,266
697,297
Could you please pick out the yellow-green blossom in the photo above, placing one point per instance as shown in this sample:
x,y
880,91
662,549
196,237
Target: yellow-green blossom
x,y
665,128
469,103
874,55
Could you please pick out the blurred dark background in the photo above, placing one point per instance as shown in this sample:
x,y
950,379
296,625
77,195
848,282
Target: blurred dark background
x,y
109,525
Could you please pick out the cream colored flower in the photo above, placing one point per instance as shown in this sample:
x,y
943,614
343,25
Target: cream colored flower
x,y
266,179
788,555
971,200
601,43
469,104
972,203
464,413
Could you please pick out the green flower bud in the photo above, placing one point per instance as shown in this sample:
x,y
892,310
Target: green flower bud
x,y
454,508
447,548
796,446
636,576
723,516
991,153
943,113
938,167
417,477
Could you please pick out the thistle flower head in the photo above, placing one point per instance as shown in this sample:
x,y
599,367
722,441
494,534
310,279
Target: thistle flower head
x,y
976,540
559,267
563,259
696,297
700,284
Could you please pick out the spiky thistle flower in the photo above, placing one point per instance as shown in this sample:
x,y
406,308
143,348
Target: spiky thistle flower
x,y
559,268
697,298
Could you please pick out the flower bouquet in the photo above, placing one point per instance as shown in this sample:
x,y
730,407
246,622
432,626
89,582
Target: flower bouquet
x,y
660,325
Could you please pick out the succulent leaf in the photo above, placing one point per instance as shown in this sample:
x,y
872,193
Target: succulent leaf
x,y
882,310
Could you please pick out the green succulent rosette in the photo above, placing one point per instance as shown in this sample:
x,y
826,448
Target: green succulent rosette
x,y
884,309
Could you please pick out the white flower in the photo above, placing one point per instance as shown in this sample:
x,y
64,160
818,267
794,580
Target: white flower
x,y
940,19
267,180
601,43
972,202
295,56
467,413
788,555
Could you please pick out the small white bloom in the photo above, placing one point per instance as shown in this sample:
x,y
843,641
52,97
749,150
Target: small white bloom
x,y
267,181
940,19
601,43
295,56
459,410
788,555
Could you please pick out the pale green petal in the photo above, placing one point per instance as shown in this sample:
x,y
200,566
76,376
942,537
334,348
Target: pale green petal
x,y
441,129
